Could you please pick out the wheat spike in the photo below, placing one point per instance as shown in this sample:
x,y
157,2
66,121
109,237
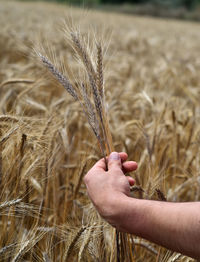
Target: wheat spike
x,y
100,71
6,248
60,77
10,203
72,244
81,51
5,138
85,241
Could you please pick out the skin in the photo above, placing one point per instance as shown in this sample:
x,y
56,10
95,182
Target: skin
x,y
175,226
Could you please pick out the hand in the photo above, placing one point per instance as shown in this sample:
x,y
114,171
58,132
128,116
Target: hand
x,y
107,189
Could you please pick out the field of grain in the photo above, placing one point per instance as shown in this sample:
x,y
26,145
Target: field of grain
x,y
152,93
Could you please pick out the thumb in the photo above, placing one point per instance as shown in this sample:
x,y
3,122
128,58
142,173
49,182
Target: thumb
x,y
114,161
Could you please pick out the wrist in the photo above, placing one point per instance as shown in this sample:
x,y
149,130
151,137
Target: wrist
x,y
131,215
116,210
110,206
125,213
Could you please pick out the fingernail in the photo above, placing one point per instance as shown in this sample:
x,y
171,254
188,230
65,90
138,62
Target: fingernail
x,y
114,156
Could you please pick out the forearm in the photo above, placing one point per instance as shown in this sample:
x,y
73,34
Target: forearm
x,y
175,226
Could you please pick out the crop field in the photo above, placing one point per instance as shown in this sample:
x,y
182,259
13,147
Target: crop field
x,y
151,80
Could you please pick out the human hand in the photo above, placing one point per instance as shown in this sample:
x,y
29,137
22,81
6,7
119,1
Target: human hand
x,y
108,189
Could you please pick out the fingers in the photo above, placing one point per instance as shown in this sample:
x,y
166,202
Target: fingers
x,y
114,161
130,180
100,165
123,156
129,166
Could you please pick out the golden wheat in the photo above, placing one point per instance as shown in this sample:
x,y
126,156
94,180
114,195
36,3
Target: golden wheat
x,y
146,83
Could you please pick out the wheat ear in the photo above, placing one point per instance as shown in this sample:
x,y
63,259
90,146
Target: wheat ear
x,y
100,71
96,83
59,76
82,53
72,244
10,203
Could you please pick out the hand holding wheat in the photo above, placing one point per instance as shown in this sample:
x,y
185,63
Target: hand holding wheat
x,y
108,188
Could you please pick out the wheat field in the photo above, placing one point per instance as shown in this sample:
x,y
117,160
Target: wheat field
x,y
152,92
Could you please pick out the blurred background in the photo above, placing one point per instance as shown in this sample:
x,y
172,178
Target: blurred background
x,y
180,9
